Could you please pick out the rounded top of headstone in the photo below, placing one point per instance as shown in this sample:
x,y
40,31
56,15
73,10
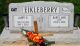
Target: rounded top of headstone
x,y
45,2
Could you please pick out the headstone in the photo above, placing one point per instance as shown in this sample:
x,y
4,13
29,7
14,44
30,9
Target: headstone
x,y
51,17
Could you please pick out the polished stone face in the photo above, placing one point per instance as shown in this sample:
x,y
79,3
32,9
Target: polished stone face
x,y
51,16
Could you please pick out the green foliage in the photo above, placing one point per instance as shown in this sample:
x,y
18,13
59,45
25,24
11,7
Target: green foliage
x,y
78,22
1,23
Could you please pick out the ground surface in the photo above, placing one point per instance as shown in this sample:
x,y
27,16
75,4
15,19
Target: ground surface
x,y
23,44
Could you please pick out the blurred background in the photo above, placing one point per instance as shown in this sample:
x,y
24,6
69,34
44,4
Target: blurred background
x,y
5,3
